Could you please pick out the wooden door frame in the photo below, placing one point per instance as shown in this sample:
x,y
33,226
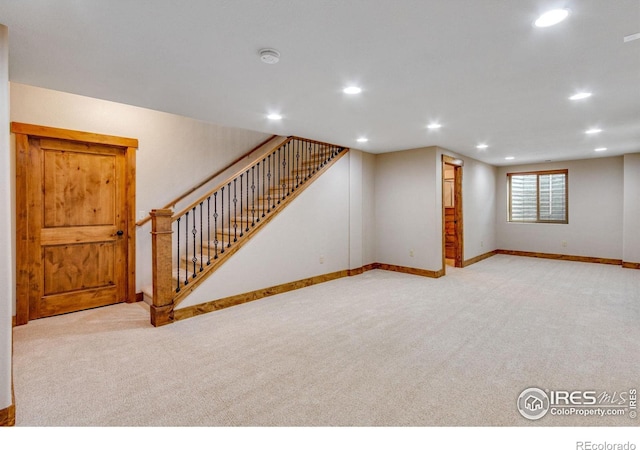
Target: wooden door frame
x,y
457,203
22,133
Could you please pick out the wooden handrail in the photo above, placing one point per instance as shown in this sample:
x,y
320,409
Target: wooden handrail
x,y
228,179
207,180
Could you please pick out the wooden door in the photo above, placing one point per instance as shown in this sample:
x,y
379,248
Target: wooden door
x,y
452,221
77,201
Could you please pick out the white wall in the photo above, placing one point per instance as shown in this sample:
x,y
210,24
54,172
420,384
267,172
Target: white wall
x,y
407,218
479,187
595,212
361,209
175,153
6,234
316,224
356,223
631,225
368,209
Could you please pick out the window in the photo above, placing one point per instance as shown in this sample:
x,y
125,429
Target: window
x,y
538,197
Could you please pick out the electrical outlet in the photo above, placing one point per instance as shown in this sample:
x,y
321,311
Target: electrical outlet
x,y
142,214
564,243
321,259
411,253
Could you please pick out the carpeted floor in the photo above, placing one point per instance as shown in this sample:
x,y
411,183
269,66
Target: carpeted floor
x,y
379,349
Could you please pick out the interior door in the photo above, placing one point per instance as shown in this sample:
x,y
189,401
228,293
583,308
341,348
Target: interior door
x,y
77,225
452,220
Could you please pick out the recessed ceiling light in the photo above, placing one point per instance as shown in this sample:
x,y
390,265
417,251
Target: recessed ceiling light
x,y
363,139
352,90
482,146
269,55
509,157
580,96
274,117
434,126
601,149
551,18
593,131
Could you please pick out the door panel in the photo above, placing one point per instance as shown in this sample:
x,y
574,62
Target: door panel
x,y
75,267
90,298
79,191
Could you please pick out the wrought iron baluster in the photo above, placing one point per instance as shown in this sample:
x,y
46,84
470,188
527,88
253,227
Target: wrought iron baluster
x,y
315,159
258,189
303,158
201,235
309,162
264,193
285,190
297,163
194,231
215,225
273,185
208,230
287,169
178,257
222,221
279,192
235,213
247,214
229,214
186,248
253,194
241,229
268,185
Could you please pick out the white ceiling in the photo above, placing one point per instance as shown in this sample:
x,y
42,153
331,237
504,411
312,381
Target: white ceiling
x,y
477,66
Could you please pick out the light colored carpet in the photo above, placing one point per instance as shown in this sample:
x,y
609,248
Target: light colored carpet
x,y
379,349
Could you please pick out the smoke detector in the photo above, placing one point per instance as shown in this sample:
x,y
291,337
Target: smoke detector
x,y
269,56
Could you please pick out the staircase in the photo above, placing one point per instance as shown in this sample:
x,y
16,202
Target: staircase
x,y
190,245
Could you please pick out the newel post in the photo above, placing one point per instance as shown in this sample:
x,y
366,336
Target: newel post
x,y
161,250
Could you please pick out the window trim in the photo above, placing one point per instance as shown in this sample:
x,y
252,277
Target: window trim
x,y
538,173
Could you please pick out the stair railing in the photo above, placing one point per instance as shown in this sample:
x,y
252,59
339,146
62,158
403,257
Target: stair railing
x,y
189,244
210,178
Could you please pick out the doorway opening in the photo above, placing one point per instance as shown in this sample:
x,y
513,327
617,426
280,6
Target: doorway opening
x,y
452,223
